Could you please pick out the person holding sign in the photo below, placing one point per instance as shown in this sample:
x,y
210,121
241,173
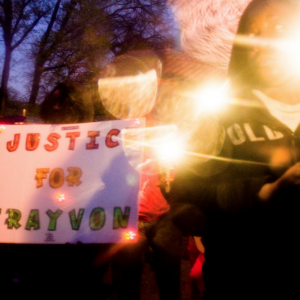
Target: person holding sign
x,y
127,80
65,266
249,192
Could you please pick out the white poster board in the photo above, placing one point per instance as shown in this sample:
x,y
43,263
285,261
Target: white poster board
x,y
68,183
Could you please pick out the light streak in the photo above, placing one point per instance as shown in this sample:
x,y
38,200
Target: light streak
x,y
168,151
289,44
286,50
246,102
230,160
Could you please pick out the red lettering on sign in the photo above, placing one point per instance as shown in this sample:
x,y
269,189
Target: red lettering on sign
x,y
72,136
32,141
13,145
92,144
52,138
108,141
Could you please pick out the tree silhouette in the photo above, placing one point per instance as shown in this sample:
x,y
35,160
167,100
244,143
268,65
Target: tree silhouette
x,y
18,18
140,24
70,46
83,35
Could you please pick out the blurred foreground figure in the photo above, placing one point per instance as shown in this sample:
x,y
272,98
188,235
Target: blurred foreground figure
x,y
128,85
177,76
208,27
127,91
71,268
250,192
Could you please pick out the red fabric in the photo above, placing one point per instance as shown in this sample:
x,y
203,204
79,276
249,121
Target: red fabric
x,y
152,203
196,277
197,283
196,271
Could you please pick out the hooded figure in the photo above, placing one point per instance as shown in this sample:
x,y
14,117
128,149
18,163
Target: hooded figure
x,y
250,192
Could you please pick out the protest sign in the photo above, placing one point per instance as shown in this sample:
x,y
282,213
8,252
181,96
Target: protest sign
x,y
69,183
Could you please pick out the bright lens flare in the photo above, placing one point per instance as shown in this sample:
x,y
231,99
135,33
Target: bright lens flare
x,y
169,151
130,235
287,49
61,197
211,98
152,141
290,54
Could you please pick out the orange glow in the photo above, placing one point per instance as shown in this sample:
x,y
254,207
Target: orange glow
x,y
130,235
288,49
61,197
169,150
280,158
211,97
2,127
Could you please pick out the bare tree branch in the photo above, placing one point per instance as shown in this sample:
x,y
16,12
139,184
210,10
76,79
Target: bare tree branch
x,y
20,41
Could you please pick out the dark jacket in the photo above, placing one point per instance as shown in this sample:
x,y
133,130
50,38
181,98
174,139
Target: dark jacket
x,y
251,246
